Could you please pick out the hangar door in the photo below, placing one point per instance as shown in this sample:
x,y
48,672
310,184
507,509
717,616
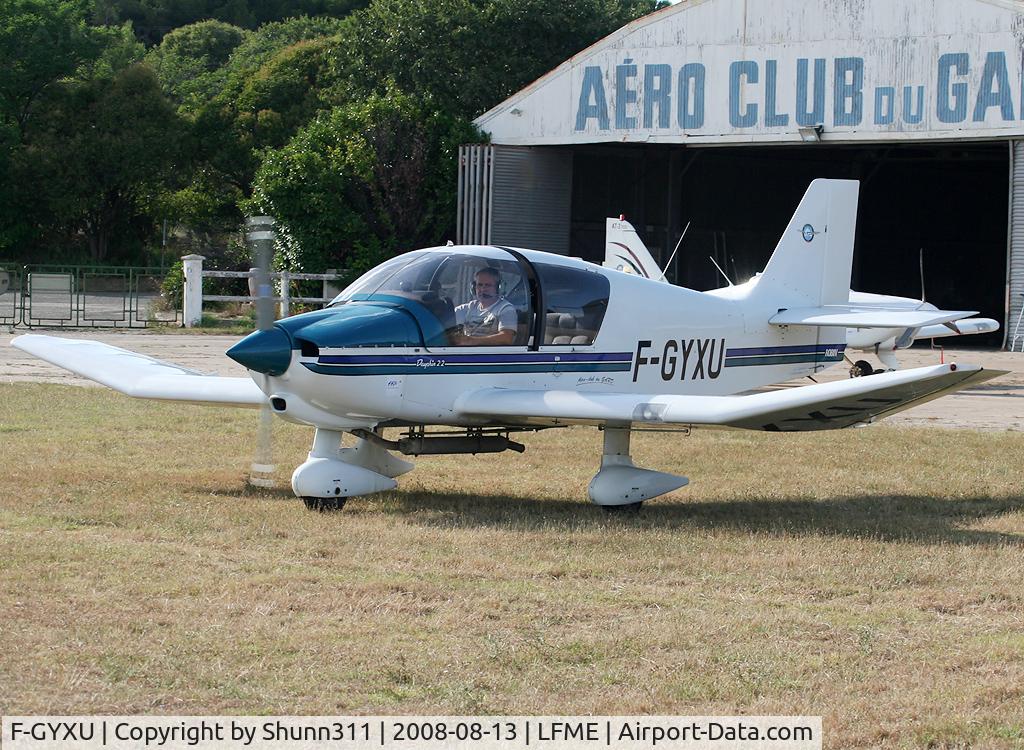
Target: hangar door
x,y
1015,318
945,202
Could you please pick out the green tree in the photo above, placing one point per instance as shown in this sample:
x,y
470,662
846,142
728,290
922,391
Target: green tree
x,y
106,151
271,88
152,19
537,35
361,182
284,94
468,55
41,42
190,62
270,38
433,47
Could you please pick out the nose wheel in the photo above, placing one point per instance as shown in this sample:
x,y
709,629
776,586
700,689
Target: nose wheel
x,y
629,509
331,473
324,504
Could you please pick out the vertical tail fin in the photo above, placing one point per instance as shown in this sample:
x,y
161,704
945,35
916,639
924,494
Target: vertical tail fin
x,y
624,251
812,263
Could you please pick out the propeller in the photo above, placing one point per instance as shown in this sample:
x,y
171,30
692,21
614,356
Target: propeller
x,y
260,236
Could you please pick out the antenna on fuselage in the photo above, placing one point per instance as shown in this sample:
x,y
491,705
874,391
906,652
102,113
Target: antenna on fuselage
x,y
673,255
724,276
260,236
920,264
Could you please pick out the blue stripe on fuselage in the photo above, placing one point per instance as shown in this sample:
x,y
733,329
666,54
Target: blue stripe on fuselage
x,y
801,349
469,364
783,355
483,358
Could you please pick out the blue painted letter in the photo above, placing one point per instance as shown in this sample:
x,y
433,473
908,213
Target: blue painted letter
x,y
657,91
994,90
849,95
593,88
958,111
885,108
771,77
815,115
910,116
690,111
747,68
624,95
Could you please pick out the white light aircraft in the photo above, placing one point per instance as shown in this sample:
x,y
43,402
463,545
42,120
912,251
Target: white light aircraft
x,y
489,341
625,251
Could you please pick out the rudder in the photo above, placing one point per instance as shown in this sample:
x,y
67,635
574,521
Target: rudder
x,y
812,263
625,251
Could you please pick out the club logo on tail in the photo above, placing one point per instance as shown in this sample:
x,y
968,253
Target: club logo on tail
x,y
808,232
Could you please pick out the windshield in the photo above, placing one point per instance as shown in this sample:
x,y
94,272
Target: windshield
x,y
372,279
479,298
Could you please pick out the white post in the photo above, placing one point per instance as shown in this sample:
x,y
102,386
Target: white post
x,y
193,302
331,286
286,303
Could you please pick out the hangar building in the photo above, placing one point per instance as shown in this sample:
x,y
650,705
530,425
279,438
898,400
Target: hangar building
x,y
718,113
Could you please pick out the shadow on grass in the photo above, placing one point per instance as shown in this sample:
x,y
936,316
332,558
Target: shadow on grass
x,y
896,518
899,518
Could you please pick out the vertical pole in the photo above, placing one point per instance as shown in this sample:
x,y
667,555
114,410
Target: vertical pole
x,y
193,302
286,304
260,238
460,200
487,202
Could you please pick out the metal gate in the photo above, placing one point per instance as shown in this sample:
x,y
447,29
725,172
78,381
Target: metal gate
x,y
83,297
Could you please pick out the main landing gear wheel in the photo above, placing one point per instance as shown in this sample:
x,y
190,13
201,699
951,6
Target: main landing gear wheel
x,y
619,486
861,368
325,504
623,510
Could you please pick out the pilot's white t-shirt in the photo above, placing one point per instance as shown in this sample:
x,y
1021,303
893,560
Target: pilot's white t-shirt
x,y
478,320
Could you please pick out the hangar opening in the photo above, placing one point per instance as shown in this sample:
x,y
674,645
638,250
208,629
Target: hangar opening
x,y
719,113
944,203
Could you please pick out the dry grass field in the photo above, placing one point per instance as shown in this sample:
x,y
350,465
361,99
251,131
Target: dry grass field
x,y
873,576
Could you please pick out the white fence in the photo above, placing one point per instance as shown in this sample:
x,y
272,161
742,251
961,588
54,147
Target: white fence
x,y
194,297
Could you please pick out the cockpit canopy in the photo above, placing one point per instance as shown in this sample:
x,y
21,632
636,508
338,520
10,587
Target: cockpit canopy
x,y
438,288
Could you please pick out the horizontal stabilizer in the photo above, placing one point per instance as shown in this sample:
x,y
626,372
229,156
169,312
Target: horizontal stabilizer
x,y
963,328
825,406
854,316
140,376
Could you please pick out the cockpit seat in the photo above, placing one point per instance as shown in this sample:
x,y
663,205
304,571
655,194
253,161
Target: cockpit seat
x,y
563,329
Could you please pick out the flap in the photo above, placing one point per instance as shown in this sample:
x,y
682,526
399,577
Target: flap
x,y
825,406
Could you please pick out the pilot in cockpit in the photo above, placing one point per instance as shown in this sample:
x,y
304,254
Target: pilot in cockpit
x,y
488,320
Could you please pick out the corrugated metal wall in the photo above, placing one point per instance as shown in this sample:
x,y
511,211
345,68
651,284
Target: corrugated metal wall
x,y
476,163
513,195
1015,240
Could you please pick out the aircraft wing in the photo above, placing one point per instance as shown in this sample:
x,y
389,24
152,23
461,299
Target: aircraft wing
x,y
825,406
855,316
138,375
